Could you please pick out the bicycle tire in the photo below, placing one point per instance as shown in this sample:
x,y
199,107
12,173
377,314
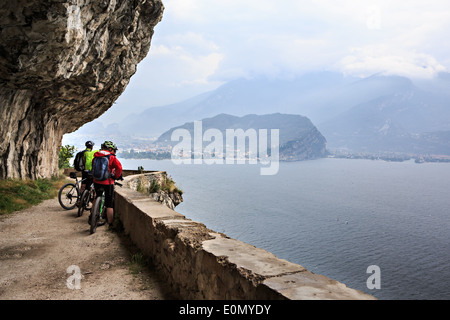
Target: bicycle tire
x,y
83,202
68,196
90,198
96,213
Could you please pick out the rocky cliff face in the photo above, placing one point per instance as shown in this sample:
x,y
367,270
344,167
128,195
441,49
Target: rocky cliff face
x,y
62,64
311,145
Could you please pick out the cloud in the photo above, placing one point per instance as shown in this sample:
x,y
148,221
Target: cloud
x,y
286,56
373,59
200,44
373,21
262,37
187,58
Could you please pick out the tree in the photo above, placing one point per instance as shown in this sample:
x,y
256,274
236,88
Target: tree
x,y
65,154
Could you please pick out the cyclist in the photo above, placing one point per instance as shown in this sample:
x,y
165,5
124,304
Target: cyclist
x,y
87,160
108,148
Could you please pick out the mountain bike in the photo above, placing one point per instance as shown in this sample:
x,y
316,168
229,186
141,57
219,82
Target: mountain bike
x,y
87,197
98,214
69,193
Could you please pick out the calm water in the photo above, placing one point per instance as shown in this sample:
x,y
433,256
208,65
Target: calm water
x,y
335,217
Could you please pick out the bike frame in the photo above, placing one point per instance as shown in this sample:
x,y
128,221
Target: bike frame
x,y
96,214
68,194
85,200
78,183
102,203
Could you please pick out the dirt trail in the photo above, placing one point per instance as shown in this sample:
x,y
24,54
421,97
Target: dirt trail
x,y
39,244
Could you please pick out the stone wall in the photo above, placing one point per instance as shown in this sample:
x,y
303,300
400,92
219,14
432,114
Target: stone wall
x,y
158,186
200,263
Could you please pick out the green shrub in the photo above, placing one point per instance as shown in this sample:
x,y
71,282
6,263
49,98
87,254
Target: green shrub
x,y
18,194
65,154
169,186
154,186
138,263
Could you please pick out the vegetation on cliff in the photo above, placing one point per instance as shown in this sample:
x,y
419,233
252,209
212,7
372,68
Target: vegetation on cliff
x,y
166,184
65,154
158,186
18,194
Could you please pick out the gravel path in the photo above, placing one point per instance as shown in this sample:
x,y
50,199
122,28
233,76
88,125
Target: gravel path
x,y
47,253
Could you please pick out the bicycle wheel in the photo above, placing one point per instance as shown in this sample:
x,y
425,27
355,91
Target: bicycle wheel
x,y
68,196
83,202
90,199
96,213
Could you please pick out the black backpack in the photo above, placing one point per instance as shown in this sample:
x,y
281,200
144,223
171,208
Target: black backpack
x,y
100,168
78,163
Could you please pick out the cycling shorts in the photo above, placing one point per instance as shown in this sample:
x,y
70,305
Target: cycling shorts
x,y
109,192
88,177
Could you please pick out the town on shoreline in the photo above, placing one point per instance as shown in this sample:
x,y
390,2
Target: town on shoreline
x,y
164,153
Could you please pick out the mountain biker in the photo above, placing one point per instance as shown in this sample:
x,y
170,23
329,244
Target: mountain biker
x,y
87,160
108,148
88,156
86,179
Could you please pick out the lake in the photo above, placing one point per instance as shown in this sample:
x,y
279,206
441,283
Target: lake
x,y
335,217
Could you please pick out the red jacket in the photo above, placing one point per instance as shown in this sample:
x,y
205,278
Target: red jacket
x,y
115,167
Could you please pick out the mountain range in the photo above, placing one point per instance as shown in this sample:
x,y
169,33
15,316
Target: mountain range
x,y
413,119
298,140
381,113
318,96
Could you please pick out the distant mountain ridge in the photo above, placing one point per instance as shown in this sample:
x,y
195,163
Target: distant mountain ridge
x,y
299,139
411,120
318,96
380,113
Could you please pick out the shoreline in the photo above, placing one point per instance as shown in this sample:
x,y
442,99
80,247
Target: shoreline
x,y
416,159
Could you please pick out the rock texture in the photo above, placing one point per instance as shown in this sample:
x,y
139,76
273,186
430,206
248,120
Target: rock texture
x,y
62,64
166,192
311,145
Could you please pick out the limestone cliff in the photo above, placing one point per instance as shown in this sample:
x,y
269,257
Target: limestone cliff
x,y
62,64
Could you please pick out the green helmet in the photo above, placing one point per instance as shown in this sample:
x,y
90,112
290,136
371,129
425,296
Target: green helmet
x,y
109,144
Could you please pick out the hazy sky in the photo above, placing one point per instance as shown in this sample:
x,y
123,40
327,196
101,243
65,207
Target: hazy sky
x,y
200,44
